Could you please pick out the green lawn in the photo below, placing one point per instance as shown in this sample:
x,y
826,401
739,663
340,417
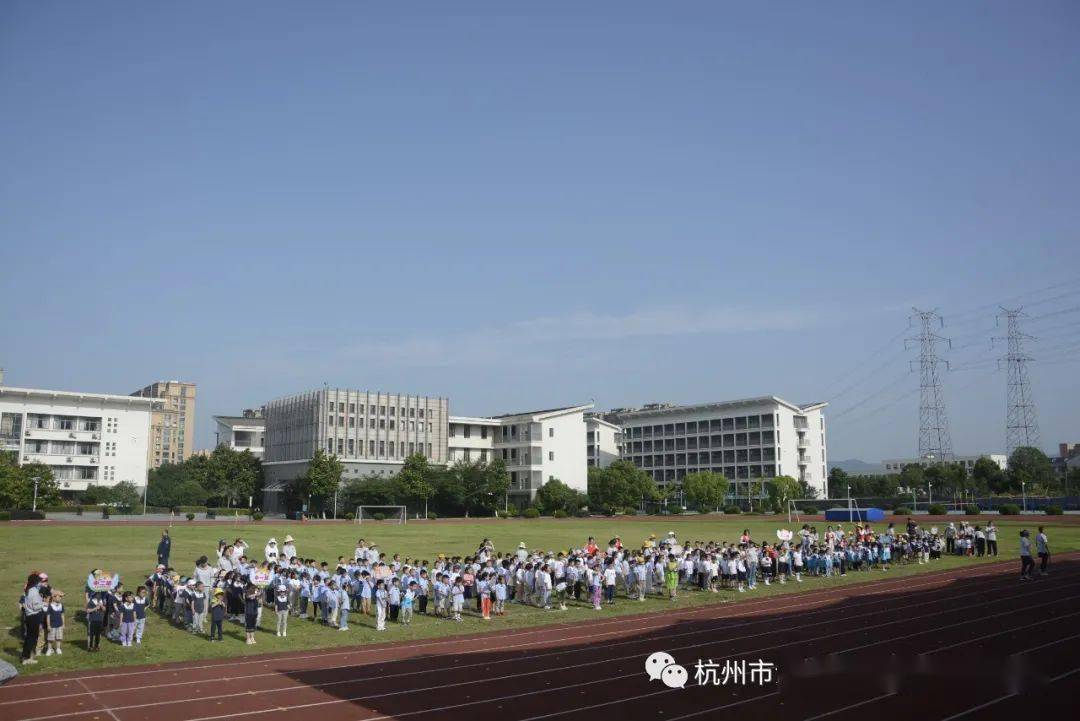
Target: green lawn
x,y
67,553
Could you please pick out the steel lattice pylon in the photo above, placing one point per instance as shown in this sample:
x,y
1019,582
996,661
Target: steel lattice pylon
x,y
935,441
1021,424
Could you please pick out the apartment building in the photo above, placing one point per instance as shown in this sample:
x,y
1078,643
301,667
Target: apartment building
x,y
601,441
245,432
85,438
536,446
748,440
172,427
370,432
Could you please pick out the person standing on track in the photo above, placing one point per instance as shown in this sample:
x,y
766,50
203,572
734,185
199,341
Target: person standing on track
x,y
1043,550
1026,564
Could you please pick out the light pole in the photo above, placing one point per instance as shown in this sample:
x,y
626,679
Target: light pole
x,y
929,494
36,480
1023,493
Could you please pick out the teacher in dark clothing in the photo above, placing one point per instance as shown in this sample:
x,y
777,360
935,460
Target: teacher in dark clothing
x,y
164,547
33,611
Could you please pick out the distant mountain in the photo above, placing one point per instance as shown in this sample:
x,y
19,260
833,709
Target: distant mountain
x,y
856,467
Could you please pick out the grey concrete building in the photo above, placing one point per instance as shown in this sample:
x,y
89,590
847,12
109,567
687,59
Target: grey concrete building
x,y
370,432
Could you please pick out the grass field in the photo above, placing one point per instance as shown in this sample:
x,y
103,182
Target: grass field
x,y
68,552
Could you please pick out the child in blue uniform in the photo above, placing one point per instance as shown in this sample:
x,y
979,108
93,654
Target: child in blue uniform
x,y
54,623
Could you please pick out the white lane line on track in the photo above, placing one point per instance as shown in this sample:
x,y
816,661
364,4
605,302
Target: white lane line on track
x,y
103,706
980,707
540,671
1046,645
951,625
721,708
1055,619
609,660
826,714
871,587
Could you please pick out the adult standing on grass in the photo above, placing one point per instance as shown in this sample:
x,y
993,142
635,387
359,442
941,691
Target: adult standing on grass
x,y
1026,564
33,607
991,539
164,548
1043,549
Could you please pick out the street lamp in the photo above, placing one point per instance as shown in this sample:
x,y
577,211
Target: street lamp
x,y
36,480
929,494
1023,493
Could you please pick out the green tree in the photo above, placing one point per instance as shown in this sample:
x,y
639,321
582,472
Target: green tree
x,y
620,485
416,480
1030,466
125,494
987,477
321,480
17,484
912,476
479,487
838,483
780,490
557,496
230,477
705,490
370,490
172,485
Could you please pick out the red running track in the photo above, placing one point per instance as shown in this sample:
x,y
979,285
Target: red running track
x,y
971,643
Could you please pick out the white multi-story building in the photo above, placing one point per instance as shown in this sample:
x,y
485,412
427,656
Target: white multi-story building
x,y
748,440
369,432
245,432
601,441
85,438
896,465
536,447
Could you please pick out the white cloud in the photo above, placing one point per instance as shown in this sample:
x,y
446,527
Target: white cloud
x,y
520,340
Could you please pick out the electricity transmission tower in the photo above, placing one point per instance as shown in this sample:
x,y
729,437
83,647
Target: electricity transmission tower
x,y
935,441
1021,424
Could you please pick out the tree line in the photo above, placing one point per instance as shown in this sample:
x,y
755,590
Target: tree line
x,y
1028,470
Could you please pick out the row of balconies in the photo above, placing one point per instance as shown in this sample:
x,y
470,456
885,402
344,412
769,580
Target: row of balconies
x,y
703,443
51,459
56,432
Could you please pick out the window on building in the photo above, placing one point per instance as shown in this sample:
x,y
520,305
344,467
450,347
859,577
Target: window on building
x,y
352,447
330,421
483,431
429,449
371,448
330,445
451,430
341,447
420,412
466,431
551,432
382,423
551,455
391,424
382,448
392,410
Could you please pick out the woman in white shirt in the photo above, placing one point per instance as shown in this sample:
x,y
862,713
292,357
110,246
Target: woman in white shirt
x,y
1026,564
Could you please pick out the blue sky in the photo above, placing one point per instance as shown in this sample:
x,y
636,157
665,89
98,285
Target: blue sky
x,y
520,205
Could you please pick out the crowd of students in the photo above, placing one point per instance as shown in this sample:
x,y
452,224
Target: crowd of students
x,y
391,589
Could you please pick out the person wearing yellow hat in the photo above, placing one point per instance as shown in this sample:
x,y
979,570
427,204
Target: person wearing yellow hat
x,y
217,614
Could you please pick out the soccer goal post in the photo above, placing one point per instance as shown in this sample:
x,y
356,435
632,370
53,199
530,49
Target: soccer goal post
x,y
397,514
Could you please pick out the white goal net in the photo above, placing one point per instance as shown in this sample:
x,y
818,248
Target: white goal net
x,y
372,514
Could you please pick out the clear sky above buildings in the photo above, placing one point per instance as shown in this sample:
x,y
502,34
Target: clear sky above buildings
x,y
519,205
